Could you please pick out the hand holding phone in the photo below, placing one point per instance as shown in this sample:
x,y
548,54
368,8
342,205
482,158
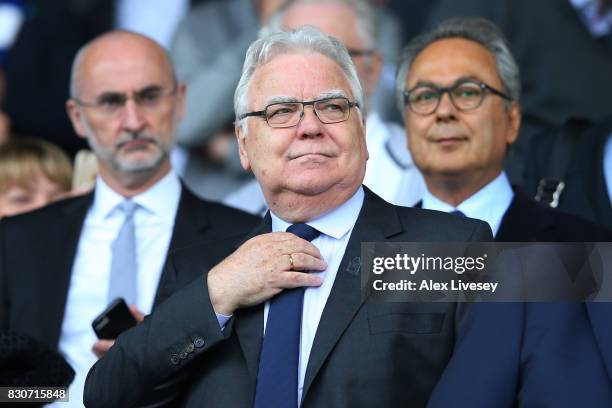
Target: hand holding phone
x,y
114,320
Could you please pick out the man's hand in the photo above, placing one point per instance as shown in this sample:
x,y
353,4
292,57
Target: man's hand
x,y
261,268
100,347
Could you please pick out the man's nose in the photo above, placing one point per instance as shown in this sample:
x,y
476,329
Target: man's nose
x,y
309,124
446,107
133,118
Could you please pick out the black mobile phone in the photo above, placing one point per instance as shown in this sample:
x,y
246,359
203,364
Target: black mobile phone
x,y
114,320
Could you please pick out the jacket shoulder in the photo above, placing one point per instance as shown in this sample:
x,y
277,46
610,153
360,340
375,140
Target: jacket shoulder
x,y
77,205
441,226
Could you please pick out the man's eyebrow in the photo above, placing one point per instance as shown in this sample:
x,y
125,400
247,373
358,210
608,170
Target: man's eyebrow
x,y
470,78
335,93
144,90
455,82
149,88
107,95
280,99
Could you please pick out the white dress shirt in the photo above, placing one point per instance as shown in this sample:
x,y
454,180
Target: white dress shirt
x,y
11,18
87,294
390,171
157,19
489,204
335,227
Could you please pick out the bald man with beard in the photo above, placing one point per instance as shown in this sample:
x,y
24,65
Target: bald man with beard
x,y
58,267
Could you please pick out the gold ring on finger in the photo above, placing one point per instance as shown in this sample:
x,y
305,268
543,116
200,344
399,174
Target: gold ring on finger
x,y
291,261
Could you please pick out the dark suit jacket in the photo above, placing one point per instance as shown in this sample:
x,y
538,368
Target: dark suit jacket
x,y
585,193
537,354
364,354
529,221
37,251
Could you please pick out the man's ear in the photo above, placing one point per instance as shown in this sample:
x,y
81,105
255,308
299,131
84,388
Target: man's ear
x,y
75,115
514,114
181,92
365,138
241,137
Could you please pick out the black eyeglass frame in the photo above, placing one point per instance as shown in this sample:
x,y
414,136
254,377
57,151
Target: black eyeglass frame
x,y
262,113
441,91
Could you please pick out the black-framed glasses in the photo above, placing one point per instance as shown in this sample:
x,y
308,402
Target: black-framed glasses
x,y
113,103
424,99
289,114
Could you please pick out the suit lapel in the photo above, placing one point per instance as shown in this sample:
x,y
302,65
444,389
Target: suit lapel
x,y
190,225
249,322
191,220
61,252
377,221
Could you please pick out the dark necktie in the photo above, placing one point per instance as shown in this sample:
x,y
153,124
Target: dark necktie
x,y
277,379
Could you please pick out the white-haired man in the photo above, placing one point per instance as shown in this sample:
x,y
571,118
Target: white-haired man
x,y
390,172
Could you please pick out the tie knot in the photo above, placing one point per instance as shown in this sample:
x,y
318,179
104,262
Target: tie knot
x,y
457,212
127,207
304,231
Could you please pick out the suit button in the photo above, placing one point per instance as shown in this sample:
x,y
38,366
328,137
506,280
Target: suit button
x,y
190,348
174,359
183,355
198,342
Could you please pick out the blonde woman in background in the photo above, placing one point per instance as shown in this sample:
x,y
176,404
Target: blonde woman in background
x,y
33,173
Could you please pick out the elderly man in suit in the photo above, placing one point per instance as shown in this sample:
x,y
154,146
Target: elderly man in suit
x,y
61,266
281,321
459,87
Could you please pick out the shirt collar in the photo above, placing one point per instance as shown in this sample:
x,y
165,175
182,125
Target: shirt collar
x,y
161,199
373,126
335,223
489,204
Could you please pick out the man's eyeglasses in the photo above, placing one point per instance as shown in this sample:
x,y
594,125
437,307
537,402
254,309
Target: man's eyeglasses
x,y
465,96
289,114
113,103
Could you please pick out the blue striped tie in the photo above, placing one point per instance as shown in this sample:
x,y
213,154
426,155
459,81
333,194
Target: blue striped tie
x,y
277,380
